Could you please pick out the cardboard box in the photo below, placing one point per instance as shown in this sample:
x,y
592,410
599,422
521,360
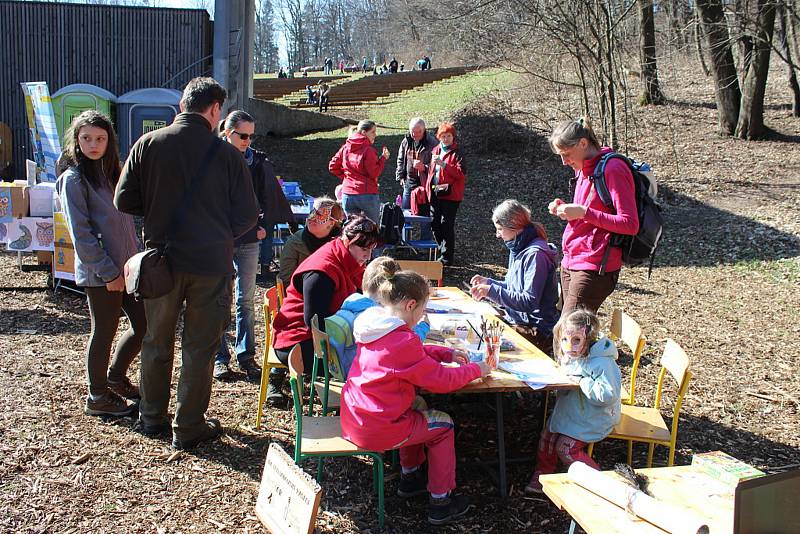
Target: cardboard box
x,y
725,468
13,202
40,199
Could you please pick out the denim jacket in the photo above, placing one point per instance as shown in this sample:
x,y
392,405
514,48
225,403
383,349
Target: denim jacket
x,y
104,238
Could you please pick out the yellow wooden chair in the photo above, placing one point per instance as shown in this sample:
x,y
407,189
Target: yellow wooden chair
x,y
321,437
647,425
624,329
431,270
270,359
329,386
281,291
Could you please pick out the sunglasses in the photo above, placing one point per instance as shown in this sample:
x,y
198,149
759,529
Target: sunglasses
x,y
244,136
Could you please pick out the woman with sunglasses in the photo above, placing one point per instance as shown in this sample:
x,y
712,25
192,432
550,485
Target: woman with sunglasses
x,y
238,129
318,287
322,224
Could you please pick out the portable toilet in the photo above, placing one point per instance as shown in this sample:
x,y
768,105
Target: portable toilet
x,y
142,111
72,100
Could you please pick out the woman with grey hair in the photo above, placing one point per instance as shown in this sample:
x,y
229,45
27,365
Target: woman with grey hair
x,y
529,292
358,165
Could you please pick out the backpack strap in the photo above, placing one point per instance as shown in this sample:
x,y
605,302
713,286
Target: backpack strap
x,y
599,182
598,177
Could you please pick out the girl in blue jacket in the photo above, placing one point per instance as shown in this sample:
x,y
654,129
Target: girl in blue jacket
x,y
589,413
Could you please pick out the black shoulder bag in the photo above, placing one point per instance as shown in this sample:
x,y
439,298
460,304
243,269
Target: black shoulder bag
x,y
148,274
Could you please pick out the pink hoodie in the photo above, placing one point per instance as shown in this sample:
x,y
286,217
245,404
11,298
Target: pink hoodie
x,y
358,165
381,386
585,240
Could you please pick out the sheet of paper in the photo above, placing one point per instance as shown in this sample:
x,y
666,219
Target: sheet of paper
x,y
477,308
540,372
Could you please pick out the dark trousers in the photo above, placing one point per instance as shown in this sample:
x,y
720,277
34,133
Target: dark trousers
x,y
586,289
323,101
104,308
206,304
444,227
307,349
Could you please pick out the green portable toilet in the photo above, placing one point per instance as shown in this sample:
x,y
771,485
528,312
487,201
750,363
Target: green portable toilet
x,y
72,100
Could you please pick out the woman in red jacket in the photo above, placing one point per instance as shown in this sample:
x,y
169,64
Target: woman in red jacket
x,y
445,188
358,165
589,222
318,287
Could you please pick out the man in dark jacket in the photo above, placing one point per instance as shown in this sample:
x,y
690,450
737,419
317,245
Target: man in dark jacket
x,y
197,224
413,161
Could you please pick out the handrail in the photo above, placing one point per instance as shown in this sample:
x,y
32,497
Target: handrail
x,y
165,84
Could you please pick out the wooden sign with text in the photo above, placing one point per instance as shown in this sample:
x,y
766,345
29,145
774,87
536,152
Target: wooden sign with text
x,y
288,499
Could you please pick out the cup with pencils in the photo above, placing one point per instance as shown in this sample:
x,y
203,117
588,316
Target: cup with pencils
x,y
491,333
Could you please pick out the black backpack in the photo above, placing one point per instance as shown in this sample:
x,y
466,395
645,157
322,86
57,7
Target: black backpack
x,y
640,248
391,223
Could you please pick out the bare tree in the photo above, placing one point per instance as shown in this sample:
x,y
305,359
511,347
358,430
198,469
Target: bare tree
x,y
651,92
726,81
751,115
784,23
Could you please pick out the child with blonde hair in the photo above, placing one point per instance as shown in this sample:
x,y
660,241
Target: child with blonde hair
x,y
589,413
339,326
378,409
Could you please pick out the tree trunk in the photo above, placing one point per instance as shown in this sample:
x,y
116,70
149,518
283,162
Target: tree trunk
x,y
783,36
698,29
651,92
725,79
751,114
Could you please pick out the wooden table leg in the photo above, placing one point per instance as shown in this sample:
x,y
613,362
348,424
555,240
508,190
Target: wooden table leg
x,y
501,447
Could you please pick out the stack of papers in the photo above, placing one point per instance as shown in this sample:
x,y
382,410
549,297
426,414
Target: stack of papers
x,y
535,373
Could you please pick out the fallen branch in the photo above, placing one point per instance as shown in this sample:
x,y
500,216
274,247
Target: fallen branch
x,y
762,396
788,396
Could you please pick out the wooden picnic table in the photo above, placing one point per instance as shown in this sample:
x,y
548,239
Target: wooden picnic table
x,y
499,381
684,486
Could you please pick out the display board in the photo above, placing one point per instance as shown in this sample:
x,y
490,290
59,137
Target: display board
x,y
288,499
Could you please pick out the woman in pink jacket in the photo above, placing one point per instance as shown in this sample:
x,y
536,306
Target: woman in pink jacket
x,y
590,223
380,409
358,165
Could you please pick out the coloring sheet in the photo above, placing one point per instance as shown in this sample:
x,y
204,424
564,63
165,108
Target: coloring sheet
x,y
30,233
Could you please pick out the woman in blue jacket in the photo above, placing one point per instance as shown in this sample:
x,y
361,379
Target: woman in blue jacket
x,y
529,292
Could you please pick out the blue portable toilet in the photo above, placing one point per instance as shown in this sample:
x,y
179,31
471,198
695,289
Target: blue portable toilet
x,y
142,111
72,100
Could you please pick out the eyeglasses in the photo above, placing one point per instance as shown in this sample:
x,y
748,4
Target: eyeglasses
x,y
244,136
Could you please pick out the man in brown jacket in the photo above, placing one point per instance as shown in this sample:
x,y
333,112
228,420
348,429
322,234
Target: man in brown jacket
x,y
196,196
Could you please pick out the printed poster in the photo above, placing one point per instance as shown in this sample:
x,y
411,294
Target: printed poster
x,y
42,125
64,251
5,208
29,233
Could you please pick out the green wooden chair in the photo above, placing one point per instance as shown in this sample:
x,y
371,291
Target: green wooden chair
x,y
321,437
329,387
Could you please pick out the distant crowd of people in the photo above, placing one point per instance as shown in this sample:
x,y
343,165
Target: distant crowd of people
x,y
209,202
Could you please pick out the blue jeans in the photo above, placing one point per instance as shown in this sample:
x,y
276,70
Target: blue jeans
x,y
370,204
245,261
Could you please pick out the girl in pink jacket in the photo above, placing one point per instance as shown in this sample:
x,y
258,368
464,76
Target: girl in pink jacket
x,y
380,408
589,222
